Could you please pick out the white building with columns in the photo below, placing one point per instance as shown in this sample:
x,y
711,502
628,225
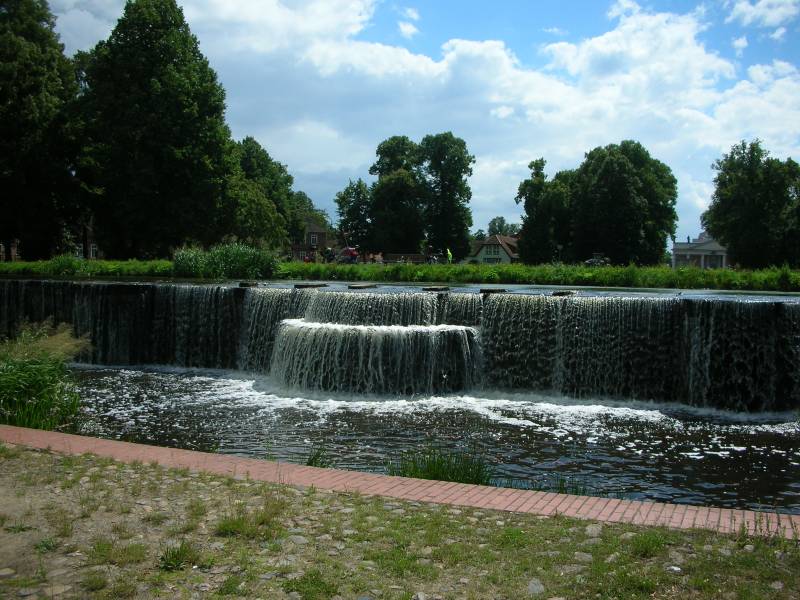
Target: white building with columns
x,y
703,251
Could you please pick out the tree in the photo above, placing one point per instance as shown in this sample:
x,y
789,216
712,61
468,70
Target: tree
x,y
446,164
397,220
620,202
499,226
545,233
755,209
354,208
271,176
479,235
394,153
300,211
156,134
37,151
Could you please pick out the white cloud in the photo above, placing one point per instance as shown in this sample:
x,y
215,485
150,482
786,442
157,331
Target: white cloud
x,y
319,98
556,31
764,13
622,8
739,44
407,29
411,13
778,34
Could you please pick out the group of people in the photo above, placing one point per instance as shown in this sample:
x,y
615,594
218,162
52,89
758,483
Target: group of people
x,y
351,255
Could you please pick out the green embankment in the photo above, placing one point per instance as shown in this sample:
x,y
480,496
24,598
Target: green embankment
x,y
227,264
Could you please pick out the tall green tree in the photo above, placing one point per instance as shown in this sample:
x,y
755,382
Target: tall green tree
x,y
162,154
446,166
499,226
755,209
300,212
397,220
394,153
620,202
545,233
354,208
37,153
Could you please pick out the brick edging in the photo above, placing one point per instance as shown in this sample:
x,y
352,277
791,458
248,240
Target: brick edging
x,y
676,516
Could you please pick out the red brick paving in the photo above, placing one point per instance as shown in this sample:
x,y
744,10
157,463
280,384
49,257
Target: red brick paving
x,y
438,492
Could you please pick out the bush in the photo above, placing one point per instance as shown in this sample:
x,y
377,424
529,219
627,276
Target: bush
x,y
226,261
36,388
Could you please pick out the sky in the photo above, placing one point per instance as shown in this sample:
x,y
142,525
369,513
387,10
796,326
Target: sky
x,y
320,83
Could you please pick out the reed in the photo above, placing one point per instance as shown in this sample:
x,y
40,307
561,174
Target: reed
x,y
461,466
36,388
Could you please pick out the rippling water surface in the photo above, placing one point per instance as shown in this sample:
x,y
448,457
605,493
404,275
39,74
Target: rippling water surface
x,y
634,450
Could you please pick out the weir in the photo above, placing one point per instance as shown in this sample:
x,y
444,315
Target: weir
x,y
726,353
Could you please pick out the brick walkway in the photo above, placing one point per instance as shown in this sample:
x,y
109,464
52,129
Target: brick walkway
x,y
457,494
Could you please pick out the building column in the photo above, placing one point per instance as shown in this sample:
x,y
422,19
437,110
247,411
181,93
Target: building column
x,y
702,261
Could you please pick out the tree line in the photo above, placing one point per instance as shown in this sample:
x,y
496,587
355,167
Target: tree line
x,y
129,139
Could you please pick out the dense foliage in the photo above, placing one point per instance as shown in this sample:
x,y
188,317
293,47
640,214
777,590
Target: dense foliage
x,y
421,198
620,203
129,141
36,388
499,226
226,261
755,209
462,466
193,266
37,85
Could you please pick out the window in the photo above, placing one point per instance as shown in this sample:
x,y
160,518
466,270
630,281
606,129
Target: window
x,y
492,250
93,251
313,238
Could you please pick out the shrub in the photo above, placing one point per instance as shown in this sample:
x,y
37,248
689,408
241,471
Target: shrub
x,y
177,557
36,388
225,261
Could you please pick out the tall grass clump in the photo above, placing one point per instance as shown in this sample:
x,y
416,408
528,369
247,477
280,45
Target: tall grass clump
x,y
225,261
461,466
36,388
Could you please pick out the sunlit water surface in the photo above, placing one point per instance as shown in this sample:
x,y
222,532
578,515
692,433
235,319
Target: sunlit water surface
x,y
621,448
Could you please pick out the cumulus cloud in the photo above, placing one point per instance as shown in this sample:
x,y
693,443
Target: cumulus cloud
x,y
411,13
739,44
778,34
764,13
302,80
407,29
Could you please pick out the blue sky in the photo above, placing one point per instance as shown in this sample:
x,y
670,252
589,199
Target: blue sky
x,y
321,82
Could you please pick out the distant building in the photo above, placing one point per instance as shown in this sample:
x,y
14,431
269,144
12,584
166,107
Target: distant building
x,y
9,251
315,239
495,249
704,252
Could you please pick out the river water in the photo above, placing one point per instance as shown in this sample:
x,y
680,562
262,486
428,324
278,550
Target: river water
x,y
622,448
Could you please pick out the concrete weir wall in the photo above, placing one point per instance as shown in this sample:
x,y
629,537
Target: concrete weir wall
x,y
724,353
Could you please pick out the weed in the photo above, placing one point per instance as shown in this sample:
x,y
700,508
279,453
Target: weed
x,y
155,518
232,586
45,545
196,508
177,557
319,457
463,466
18,528
107,551
648,543
94,581
259,523
311,586
8,453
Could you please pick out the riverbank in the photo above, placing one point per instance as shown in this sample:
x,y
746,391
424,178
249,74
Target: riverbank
x,y
87,526
661,277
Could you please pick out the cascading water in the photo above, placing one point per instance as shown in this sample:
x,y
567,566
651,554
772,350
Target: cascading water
x,y
727,353
376,359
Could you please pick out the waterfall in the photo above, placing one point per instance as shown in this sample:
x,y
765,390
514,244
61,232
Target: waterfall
x,y
376,359
723,352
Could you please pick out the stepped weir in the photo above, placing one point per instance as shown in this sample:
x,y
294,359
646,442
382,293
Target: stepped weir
x,y
724,353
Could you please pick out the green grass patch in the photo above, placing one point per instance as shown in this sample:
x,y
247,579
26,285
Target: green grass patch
x,y
224,262
261,523
462,466
312,586
111,552
94,581
178,557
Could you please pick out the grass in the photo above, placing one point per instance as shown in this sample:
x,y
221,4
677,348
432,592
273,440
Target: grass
x,y
462,466
237,261
36,388
771,279
312,586
319,457
106,551
176,557
261,523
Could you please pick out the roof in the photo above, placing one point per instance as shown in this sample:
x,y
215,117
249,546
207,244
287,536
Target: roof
x,y
312,227
703,242
507,242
